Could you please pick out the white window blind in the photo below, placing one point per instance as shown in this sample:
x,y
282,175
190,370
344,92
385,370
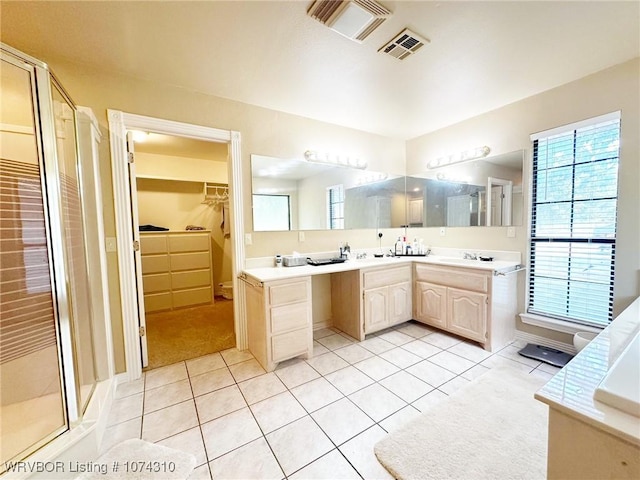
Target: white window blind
x,y
335,200
573,223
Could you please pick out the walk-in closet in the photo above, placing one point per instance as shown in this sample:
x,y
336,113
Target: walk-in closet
x,y
182,204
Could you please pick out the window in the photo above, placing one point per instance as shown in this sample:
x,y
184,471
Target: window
x,y
271,213
573,221
335,200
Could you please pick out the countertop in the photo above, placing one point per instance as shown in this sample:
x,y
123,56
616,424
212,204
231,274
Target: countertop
x,y
571,390
265,274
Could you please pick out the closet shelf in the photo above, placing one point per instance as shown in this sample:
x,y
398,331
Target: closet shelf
x,y
172,179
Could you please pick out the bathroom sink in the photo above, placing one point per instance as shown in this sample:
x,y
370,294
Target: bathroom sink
x,y
459,261
620,388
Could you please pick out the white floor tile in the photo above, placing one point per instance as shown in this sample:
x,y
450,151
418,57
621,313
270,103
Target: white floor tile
x,y
499,360
125,408
246,370
327,363
441,340
342,420
298,444
353,353
262,387
376,368
323,332
470,351
542,374
405,386
120,432
200,365
377,402
511,353
349,380
431,373
415,330
335,341
200,473
316,394
545,367
319,349
167,395
332,466
210,381
233,356
219,403
400,357
277,411
189,441
474,372
421,349
169,421
429,400
400,418
451,362
359,452
396,337
229,432
453,385
164,375
253,460
377,345
131,388
297,374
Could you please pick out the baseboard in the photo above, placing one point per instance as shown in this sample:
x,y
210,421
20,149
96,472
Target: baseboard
x,y
322,324
538,340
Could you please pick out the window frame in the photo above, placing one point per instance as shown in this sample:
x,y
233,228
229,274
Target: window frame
x,y
330,217
550,318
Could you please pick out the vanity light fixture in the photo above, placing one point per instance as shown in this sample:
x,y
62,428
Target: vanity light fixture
x,y
464,156
449,177
338,160
372,177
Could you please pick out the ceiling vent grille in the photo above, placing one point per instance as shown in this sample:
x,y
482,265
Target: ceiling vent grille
x,y
404,44
355,19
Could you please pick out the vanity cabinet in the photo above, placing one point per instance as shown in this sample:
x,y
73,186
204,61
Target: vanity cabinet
x,y
279,320
471,303
176,269
386,297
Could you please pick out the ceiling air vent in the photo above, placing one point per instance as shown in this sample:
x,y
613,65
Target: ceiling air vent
x,y
355,19
404,44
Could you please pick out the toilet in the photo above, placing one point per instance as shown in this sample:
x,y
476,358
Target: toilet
x,y
582,339
227,289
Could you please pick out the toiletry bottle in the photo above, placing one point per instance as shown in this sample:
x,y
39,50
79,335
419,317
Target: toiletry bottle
x,y
278,260
398,247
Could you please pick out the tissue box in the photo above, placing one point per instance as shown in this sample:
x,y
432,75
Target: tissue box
x,y
291,261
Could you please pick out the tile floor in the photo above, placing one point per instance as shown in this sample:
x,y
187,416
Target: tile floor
x,y
309,419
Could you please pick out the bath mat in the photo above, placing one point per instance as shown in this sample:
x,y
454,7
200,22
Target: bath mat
x,y
139,460
492,428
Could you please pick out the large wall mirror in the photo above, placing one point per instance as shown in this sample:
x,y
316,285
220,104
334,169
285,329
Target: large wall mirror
x,y
300,195
295,194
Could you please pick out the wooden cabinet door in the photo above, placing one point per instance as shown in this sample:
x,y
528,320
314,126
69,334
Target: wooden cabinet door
x,y
376,309
399,303
467,313
431,304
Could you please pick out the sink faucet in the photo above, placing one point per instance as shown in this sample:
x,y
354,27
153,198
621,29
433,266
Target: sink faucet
x,y
469,256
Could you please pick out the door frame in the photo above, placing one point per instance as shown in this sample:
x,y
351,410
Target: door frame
x,y
119,123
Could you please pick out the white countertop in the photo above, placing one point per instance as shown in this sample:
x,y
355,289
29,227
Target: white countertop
x,y
265,274
572,389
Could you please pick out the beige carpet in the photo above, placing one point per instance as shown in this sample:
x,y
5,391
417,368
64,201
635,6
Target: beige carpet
x,y
491,429
139,460
189,332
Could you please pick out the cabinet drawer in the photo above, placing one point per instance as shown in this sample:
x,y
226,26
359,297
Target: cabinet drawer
x,y
197,278
190,261
155,264
289,317
453,277
195,296
390,276
289,345
153,244
290,292
188,242
158,282
157,301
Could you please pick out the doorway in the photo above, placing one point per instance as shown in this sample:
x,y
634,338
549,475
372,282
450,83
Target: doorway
x,y
128,237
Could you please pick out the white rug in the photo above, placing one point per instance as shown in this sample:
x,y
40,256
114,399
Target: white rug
x,y
139,460
491,429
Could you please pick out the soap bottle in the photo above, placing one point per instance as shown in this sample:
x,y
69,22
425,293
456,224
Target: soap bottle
x,y
398,247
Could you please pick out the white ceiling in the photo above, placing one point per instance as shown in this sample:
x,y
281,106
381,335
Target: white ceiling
x,y
482,55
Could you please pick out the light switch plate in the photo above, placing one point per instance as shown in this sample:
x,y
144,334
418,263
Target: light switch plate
x,y
443,232
301,236
247,239
511,232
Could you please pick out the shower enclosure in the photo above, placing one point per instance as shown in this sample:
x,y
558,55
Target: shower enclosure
x,y
47,364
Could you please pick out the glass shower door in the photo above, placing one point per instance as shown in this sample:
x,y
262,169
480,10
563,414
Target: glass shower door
x,y
32,404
